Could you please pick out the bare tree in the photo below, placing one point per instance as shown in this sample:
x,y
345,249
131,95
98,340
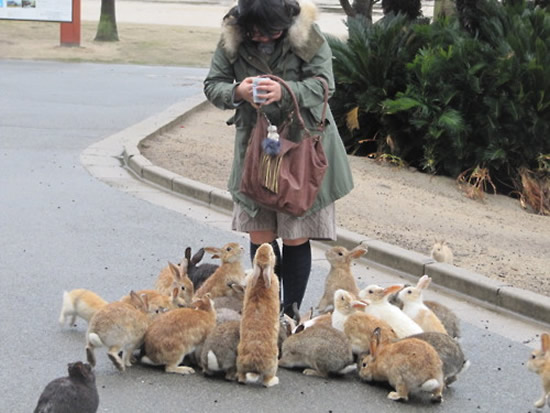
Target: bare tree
x,y
106,29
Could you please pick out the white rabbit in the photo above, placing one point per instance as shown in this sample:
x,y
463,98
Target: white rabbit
x,y
414,307
441,252
339,276
380,307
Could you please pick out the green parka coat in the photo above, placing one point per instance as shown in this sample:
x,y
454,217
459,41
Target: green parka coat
x,y
299,56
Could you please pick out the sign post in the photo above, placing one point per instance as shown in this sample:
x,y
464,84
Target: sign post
x,y
70,32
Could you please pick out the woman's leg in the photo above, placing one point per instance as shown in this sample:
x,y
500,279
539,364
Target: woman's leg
x,y
296,267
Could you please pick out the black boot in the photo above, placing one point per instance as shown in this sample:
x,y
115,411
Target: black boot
x,y
295,275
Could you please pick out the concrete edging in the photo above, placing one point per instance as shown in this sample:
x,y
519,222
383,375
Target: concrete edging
x,y
477,286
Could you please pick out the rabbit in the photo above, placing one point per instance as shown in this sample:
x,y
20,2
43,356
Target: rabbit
x,y
219,352
233,299
307,320
75,393
178,333
380,307
344,305
441,252
258,350
176,276
225,314
119,327
198,273
320,349
449,319
80,302
540,363
449,352
358,329
339,276
230,270
164,302
414,307
409,365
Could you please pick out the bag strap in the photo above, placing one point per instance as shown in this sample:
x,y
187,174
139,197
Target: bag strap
x,y
295,101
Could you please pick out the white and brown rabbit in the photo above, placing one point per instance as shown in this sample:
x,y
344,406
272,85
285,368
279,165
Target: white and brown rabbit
x,y
539,363
177,333
441,252
198,273
409,366
414,307
450,353
345,304
340,275
321,350
258,350
76,392
380,307
119,327
80,303
176,276
230,271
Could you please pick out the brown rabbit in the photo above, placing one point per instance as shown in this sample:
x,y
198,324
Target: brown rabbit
x,y
119,327
176,276
540,363
409,365
230,270
161,301
441,252
80,303
414,307
358,329
258,350
339,276
177,333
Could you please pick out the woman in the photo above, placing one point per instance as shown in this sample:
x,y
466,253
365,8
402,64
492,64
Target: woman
x,y
279,37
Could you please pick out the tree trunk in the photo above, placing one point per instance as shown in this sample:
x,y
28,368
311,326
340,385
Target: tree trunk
x,y
106,29
444,8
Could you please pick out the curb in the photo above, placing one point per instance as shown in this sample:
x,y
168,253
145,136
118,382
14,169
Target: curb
x,y
474,285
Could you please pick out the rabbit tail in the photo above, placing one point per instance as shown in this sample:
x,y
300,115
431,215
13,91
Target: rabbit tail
x,y
430,385
94,340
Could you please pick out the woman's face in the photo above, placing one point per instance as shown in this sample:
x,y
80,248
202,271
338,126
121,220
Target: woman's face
x,y
258,37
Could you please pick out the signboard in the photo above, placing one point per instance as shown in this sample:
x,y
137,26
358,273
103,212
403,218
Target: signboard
x,y
43,10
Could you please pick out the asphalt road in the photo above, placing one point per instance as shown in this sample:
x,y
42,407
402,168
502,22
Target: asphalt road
x,y
62,228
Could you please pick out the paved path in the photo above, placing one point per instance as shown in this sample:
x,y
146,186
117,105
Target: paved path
x,y
62,228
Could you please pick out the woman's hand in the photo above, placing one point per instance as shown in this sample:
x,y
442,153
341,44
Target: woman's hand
x,y
267,88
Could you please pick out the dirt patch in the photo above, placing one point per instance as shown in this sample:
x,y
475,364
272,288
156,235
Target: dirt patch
x,y
403,207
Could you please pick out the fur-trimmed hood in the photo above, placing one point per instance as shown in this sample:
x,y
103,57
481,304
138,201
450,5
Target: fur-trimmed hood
x,y
299,32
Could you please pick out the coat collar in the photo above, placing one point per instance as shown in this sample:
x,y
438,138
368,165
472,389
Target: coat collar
x,y
303,39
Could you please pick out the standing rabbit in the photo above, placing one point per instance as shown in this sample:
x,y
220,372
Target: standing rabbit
x,y
449,352
230,270
258,350
176,276
540,363
75,393
441,252
409,365
380,307
339,276
320,349
414,307
119,327
80,303
198,273
177,333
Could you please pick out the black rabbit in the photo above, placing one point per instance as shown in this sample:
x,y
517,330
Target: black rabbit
x,y
75,393
198,273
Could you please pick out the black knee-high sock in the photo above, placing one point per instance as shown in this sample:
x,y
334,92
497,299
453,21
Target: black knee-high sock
x,y
276,250
295,274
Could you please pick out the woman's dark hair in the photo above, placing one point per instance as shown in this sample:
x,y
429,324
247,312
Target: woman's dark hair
x,y
266,16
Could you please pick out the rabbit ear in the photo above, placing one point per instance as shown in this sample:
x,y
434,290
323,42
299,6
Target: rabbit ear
x,y
374,341
423,282
136,300
188,253
266,274
238,288
174,269
358,251
545,342
392,289
197,257
216,252
145,301
360,304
